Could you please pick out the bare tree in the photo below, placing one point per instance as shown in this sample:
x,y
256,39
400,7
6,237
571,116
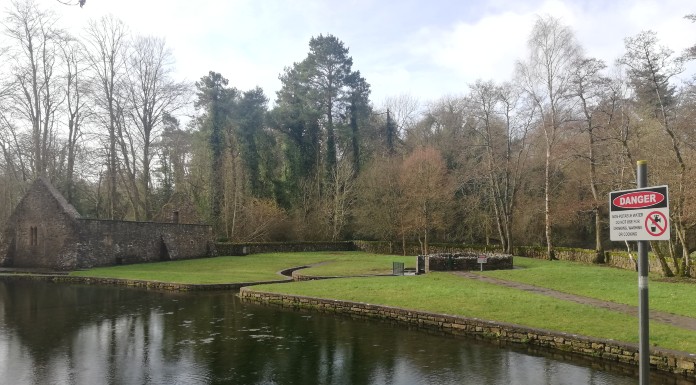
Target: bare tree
x,y
127,140
81,3
402,112
34,57
380,213
76,93
106,45
427,192
503,128
152,93
342,198
690,53
650,68
546,76
591,88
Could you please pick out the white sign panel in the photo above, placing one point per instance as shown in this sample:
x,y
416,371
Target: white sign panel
x,y
639,215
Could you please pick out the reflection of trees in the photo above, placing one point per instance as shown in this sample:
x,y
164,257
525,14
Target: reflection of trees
x,y
46,315
131,336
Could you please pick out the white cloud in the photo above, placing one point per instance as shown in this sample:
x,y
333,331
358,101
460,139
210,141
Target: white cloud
x,y
427,49
489,46
487,49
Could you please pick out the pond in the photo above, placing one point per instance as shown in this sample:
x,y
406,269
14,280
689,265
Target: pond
x,y
72,334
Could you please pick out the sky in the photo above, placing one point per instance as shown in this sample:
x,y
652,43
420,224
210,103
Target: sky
x,y
425,49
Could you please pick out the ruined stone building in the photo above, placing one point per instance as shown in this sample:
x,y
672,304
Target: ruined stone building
x,y
45,231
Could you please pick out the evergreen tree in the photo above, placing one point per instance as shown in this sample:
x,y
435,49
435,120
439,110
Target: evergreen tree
x,y
215,98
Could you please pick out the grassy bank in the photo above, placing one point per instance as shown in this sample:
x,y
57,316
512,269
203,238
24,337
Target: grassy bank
x,y
605,283
251,268
448,294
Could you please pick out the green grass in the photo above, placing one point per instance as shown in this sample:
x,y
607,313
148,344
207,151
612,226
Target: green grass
x,y
605,283
359,264
448,294
251,268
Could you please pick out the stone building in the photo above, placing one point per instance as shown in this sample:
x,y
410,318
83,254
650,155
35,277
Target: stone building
x,y
45,231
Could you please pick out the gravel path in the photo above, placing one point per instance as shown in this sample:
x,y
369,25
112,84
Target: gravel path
x,y
667,318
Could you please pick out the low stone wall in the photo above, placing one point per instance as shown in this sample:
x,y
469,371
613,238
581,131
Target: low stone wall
x,y
618,259
396,248
281,247
298,276
665,360
152,285
466,262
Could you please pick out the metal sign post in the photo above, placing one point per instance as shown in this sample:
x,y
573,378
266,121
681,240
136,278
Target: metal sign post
x,y
481,260
641,215
643,312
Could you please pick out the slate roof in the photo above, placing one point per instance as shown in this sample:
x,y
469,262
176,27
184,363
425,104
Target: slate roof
x,y
64,205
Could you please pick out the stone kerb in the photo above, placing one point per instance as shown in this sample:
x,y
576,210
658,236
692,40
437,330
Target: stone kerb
x,y
467,261
681,363
151,285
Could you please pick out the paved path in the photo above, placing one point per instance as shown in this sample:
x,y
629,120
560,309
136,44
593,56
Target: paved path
x,y
667,318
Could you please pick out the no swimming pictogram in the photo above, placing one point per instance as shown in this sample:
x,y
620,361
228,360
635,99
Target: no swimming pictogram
x,y
656,223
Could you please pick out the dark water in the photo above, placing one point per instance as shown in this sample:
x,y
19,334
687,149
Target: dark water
x,y
65,334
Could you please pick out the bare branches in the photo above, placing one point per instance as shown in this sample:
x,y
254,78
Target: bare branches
x,y
81,3
35,57
553,50
151,93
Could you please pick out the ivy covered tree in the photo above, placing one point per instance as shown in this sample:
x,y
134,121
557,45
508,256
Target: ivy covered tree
x,y
251,117
214,98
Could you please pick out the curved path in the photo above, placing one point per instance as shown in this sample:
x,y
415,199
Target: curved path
x,y
667,318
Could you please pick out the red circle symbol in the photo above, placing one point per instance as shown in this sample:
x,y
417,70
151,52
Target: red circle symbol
x,y
656,223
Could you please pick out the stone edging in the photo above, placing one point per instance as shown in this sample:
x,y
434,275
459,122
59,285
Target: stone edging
x,y
154,285
661,359
297,276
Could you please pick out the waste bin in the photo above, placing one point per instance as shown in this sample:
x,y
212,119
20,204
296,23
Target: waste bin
x,y
398,268
420,264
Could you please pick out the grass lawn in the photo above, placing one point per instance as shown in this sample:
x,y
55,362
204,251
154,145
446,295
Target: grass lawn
x,y
251,268
448,294
605,283
359,264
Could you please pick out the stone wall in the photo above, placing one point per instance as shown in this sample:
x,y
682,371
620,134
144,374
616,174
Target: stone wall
x,y
281,247
665,360
618,259
150,285
467,262
104,243
396,248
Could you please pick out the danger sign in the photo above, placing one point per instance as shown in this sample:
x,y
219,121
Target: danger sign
x,y
639,215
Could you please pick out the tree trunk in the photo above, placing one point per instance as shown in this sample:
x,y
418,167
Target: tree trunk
x,y
666,271
508,233
550,254
146,178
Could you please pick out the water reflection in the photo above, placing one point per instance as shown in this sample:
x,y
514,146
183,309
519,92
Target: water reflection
x,y
67,334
